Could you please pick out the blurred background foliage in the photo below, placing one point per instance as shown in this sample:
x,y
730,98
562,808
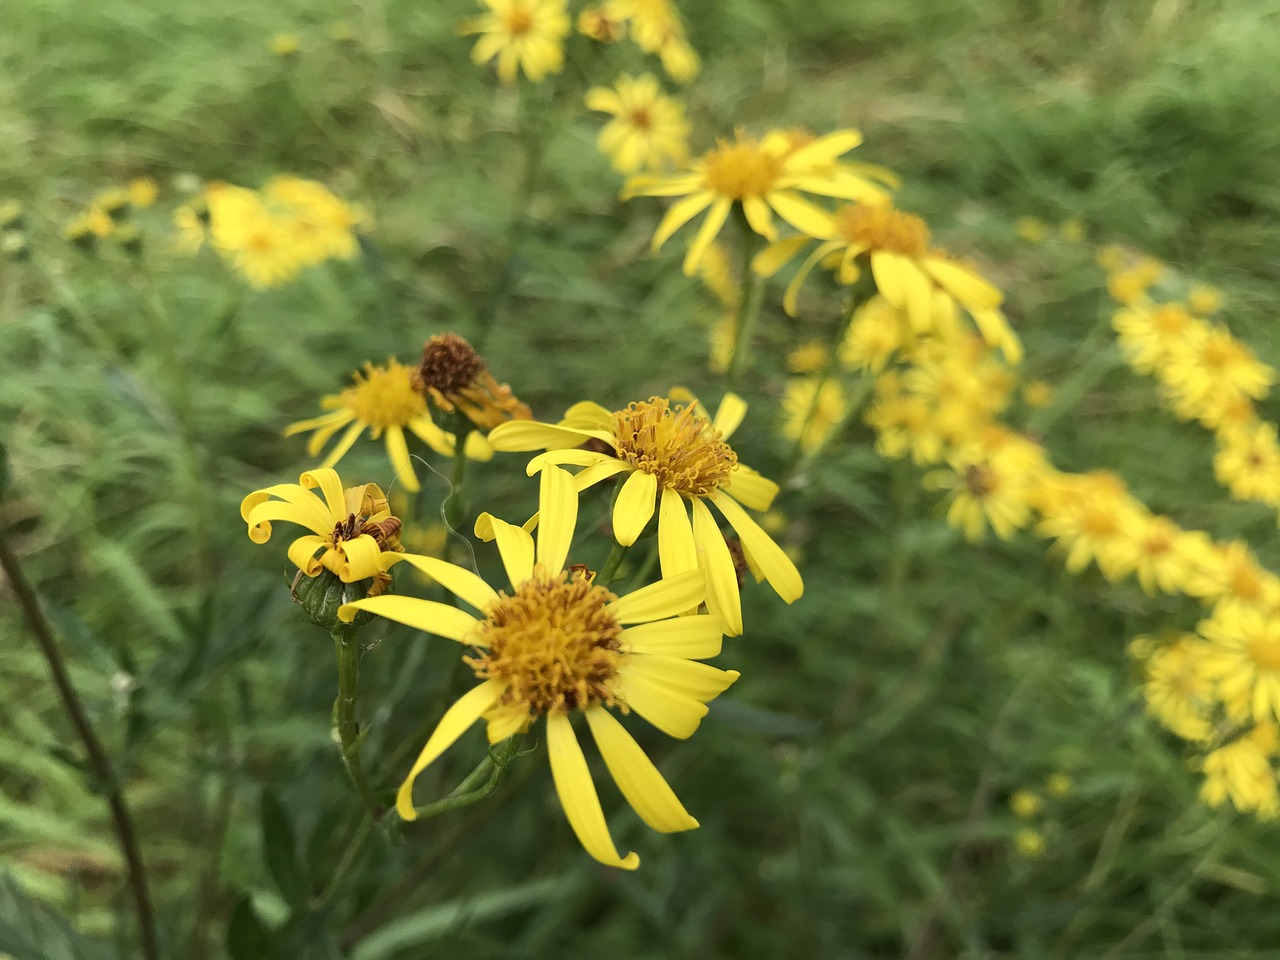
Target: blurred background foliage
x,y
853,786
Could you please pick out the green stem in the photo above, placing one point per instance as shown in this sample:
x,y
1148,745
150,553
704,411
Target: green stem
x,y
611,564
344,717
748,306
349,857
466,793
98,759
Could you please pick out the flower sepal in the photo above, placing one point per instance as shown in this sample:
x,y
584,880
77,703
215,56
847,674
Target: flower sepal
x,y
321,596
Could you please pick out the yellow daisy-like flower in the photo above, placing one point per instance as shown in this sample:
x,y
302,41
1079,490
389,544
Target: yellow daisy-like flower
x,y
925,283
1243,656
986,491
876,332
1094,519
255,243
762,177
321,226
1241,771
600,25
350,530
811,412
1029,843
1149,334
384,401
524,35
192,223
1025,803
1211,365
648,131
1168,557
808,357
560,644
657,28
1178,690
1203,300
1230,571
671,454
142,192
1248,462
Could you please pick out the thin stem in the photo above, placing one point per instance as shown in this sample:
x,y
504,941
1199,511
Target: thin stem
x,y
466,793
344,717
349,856
748,306
828,368
98,758
611,564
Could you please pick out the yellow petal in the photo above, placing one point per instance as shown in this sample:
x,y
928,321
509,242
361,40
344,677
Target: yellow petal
x,y
803,215
429,616
302,554
574,457
753,490
477,448
430,433
457,580
344,444
504,722
331,486
681,212
674,713
519,436
697,637
335,418
723,597
701,681
792,292
398,452
777,255
666,598
455,722
633,507
759,217
975,292
676,550
825,149
578,794
361,559
729,415
589,415
759,546
315,519
636,776
558,513
715,219
515,546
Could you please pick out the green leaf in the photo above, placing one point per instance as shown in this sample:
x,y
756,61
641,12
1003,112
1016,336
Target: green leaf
x,y
280,849
4,469
30,930
247,936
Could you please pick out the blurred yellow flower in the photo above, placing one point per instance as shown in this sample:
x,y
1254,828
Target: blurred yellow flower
x,y
1037,394
284,44
350,529
599,25
811,412
648,131
1203,300
1071,230
256,244
1248,462
1031,230
657,28
808,357
524,35
1241,771
1243,657
1029,843
142,192
192,223
1058,785
559,644
1025,803
670,454
760,177
986,490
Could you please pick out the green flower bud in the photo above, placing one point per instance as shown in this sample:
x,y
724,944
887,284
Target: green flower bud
x,y
321,596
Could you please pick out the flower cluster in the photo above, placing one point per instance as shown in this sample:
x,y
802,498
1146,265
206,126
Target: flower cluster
x,y
107,215
269,237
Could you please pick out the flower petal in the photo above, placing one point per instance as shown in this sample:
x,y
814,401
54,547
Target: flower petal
x,y
519,436
331,486
825,149
680,213
772,561
639,780
314,518
756,492
674,713
515,546
573,457
457,580
777,255
504,722
587,414
723,597
302,554
361,559
729,415
697,637
455,722
578,794
558,515
759,217
429,616
974,291
715,219
398,452
676,550
701,681
790,295
666,598
432,434
803,215
634,506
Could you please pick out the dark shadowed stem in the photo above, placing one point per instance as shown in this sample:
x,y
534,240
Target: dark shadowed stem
x,y
748,307
98,760
344,717
349,857
611,564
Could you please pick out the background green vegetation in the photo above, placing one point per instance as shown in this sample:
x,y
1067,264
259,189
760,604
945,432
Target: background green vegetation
x,y
853,785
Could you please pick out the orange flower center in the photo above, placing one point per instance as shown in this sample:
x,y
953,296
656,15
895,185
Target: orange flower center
x,y
740,170
881,227
641,118
553,643
519,20
678,445
383,396
1264,651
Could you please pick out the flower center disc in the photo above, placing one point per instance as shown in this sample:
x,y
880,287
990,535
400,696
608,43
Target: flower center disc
x,y
677,445
553,643
384,396
519,21
1264,651
881,227
742,169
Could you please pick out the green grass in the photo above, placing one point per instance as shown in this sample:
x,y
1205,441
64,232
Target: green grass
x,y
852,787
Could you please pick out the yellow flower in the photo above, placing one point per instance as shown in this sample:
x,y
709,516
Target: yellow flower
x,y
599,25
1112,258
1168,557
192,223
808,357
142,192
1230,571
876,332
811,413
1210,365
1178,690
986,490
1248,462
1148,334
1241,771
1204,300
925,283
903,421
253,241
648,130
1037,394
1031,229
349,529
320,225
762,177
284,44
1058,785
560,644
1094,518
717,275
1029,843
1129,284
670,455
656,28
524,35
1243,656
1025,803
1071,230
385,402
456,378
